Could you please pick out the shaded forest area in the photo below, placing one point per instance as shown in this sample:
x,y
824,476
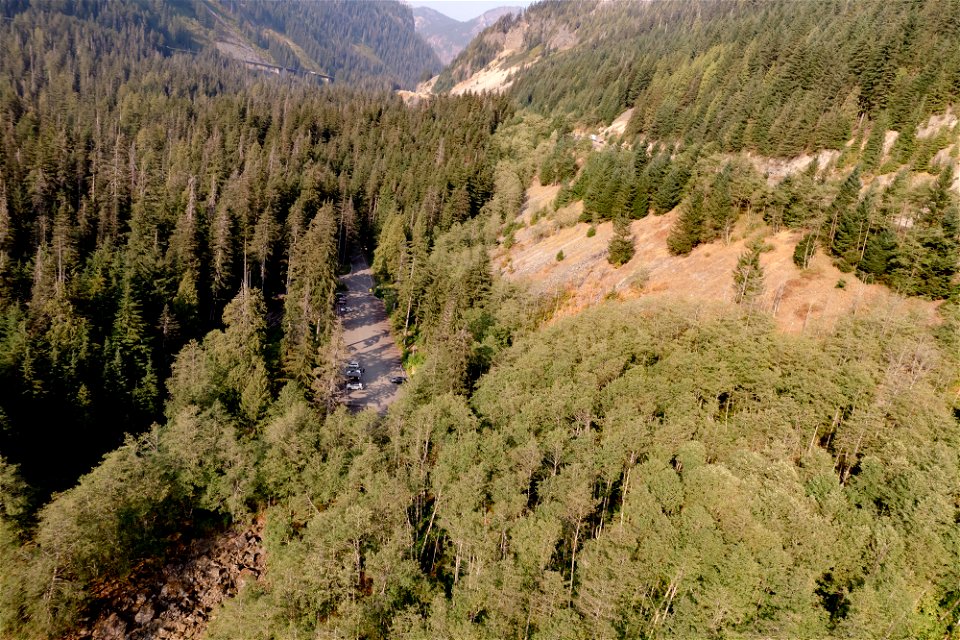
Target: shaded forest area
x,y
367,44
138,191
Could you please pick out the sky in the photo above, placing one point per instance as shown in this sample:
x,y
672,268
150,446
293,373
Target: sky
x,y
464,10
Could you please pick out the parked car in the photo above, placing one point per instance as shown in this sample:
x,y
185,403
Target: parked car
x,y
355,385
355,374
397,379
355,365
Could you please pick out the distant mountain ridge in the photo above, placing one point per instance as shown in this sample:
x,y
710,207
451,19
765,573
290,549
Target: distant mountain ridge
x,y
369,44
447,36
356,42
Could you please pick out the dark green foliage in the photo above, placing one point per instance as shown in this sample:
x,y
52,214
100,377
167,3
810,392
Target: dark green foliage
x,y
878,251
621,248
690,226
870,160
714,206
877,238
670,190
781,79
606,185
843,205
851,231
748,276
617,183
560,165
136,200
803,252
794,203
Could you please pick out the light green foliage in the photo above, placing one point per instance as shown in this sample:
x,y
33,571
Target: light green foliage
x,y
636,471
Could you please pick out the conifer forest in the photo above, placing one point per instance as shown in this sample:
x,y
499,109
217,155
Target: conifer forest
x,y
185,183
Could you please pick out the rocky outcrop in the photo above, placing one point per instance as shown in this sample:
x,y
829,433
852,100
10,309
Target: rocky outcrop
x,y
175,601
447,36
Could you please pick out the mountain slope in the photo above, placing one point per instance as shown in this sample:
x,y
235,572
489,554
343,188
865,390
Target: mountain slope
x,y
717,100
447,36
171,227
358,43
775,77
354,41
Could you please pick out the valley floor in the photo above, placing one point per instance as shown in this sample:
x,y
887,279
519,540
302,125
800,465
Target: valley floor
x,y
368,339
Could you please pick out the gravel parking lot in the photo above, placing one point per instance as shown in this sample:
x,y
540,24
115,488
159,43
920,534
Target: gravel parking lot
x,y
369,340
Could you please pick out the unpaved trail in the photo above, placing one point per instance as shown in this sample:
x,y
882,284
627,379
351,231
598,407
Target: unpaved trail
x,y
368,340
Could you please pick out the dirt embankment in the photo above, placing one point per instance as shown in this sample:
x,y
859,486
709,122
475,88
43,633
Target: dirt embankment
x,y
799,300
175,601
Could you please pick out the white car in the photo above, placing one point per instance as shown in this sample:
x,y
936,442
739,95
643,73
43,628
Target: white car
x,y
355,386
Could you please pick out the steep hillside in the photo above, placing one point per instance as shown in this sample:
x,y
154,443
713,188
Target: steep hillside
x,y
800,300
370,44
752,432
356,42
836,125
777,77
447,36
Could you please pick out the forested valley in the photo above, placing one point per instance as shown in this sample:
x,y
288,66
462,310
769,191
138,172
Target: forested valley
x,y
172,227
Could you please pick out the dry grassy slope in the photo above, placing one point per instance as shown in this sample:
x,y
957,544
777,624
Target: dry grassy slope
x,y
798,299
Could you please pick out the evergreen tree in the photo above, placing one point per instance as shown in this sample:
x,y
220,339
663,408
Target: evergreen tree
x,y
851,233
670,190
718,205
803,252
873,151
308,305
620,249
689,227
845,199
748,277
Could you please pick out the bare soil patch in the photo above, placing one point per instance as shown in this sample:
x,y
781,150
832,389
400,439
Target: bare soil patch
x,y
798,299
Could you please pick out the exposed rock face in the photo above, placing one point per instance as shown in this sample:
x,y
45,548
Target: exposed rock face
x,y
447,36
175,601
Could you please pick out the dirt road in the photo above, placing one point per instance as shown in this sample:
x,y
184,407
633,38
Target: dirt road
x,y
368,340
